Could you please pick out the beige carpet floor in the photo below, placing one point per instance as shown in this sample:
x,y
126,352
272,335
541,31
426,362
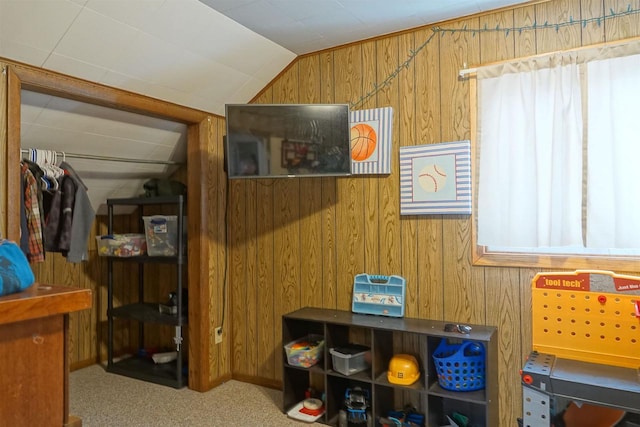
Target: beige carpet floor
x,y
103,399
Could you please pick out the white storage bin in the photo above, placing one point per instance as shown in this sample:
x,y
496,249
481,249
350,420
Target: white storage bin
x,y
306,351
351,359
162,235
121,245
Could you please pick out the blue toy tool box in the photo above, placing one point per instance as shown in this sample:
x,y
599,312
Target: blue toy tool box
x,y
376,294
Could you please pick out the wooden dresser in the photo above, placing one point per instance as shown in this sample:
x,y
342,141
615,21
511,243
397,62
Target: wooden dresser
x,y
34,367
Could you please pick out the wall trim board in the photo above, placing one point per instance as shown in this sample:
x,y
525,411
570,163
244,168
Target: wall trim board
x,y
259,381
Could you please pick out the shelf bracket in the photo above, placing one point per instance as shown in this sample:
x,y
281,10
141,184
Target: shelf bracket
x,y
178,338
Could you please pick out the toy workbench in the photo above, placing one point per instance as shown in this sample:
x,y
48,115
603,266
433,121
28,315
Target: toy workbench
x,y
586,343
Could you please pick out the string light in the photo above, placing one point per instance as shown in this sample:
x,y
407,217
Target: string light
x,y
599,20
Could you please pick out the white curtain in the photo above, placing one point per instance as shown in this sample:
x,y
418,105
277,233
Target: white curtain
x,y
530,154
613,202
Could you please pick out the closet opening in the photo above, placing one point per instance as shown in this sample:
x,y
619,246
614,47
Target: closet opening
x,y
190,130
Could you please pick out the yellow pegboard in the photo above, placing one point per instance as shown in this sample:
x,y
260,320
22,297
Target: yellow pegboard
x,y
592,316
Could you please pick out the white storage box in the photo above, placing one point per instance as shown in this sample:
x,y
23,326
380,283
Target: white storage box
x,y
351,359
162,235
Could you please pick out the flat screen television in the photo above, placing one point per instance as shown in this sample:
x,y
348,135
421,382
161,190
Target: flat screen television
x,y
287,140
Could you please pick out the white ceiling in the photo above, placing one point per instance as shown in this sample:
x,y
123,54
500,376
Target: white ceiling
x,y
201,54
304,26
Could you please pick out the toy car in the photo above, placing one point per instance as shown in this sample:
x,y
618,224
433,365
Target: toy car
x,y
357,403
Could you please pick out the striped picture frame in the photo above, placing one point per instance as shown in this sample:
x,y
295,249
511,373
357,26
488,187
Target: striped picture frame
x,y
374,158
436,179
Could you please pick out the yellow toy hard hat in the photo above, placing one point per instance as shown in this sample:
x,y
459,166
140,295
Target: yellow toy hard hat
x,y
403,369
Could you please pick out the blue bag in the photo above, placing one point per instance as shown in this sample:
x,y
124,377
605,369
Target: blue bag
x,y
15,271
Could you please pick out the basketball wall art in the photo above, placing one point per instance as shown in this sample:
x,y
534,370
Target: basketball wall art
x,y
371,141
435,179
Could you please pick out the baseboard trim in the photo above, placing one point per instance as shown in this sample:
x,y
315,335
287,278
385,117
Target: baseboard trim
x,y
218,381
264,382
73,422
74,366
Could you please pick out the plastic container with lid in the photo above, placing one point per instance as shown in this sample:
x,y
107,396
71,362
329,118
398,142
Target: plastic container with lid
x,y
162,234
351,359
122,245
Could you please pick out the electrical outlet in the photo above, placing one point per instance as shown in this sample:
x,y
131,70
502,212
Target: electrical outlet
x,y
218,334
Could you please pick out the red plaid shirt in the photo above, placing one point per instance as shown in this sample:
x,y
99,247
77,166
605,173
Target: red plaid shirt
x,y
32,210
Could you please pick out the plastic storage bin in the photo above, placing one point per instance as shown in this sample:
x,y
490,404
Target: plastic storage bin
x,y
162,234
305,352
122,245
351,359
460,367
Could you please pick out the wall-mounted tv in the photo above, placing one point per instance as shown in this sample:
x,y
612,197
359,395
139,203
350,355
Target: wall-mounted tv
x,y
287,140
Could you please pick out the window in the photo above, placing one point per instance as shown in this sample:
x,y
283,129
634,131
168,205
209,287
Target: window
x,y
557,158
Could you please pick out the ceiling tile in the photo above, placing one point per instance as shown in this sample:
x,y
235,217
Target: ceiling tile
x,y
38,24
169,94
333,23
149,59
96,39
485,5
208,84
259,8
135,13
169,152
179,22
231,44
225,5
247,91
303,32
22,52
73,67
122,81
304,9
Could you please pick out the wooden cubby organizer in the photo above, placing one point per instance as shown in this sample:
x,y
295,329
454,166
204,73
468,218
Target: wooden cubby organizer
x,y
386,336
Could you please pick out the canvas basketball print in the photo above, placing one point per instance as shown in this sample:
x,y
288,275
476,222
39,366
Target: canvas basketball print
x,y
370,137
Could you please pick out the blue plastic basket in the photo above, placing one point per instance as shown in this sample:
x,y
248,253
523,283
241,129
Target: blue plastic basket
x,y
460,367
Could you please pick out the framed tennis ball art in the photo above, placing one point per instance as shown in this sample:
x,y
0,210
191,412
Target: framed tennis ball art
x,y
370,135
435,179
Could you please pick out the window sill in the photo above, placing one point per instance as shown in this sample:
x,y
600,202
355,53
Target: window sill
x,y
481,257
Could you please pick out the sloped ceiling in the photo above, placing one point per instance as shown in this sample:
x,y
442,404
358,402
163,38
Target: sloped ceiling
x,y
175,50
304,26
200,54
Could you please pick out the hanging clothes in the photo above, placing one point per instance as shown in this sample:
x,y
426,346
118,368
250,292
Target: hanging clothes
x,y
24,229
83,217
59,216
33,214
38,174
61,199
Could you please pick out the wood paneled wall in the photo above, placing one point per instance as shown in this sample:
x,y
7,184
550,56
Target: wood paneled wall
x,y
299,242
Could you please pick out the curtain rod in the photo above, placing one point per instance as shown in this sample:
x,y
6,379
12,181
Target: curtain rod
x,y
108,158
463,72
586,51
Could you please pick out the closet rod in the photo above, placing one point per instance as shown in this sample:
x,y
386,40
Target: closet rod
x,y
108,158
